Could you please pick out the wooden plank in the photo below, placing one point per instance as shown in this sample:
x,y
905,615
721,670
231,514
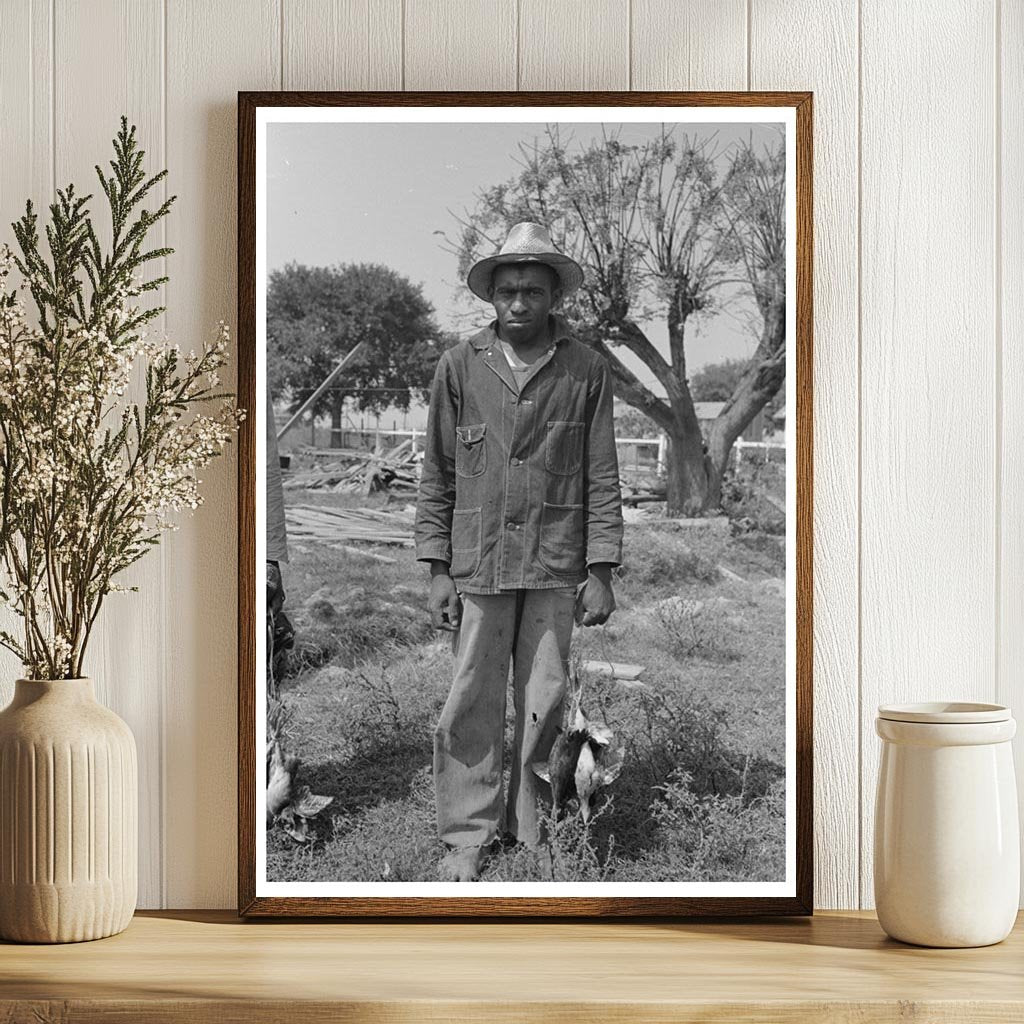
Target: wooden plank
x,y
209,967
780,58
699,44
1010,266
615,669
26,127
574,44
928,365
213,51
342,44
127,665
470,44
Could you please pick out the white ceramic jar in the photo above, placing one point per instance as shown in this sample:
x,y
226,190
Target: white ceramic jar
x,y
947,845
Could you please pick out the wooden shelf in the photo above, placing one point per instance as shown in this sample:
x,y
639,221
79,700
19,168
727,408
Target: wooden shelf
x,y
199,966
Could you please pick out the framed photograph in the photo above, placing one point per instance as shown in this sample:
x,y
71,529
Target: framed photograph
x,y
525,503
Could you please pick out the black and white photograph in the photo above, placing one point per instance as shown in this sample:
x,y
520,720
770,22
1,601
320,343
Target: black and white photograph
x,y
525,437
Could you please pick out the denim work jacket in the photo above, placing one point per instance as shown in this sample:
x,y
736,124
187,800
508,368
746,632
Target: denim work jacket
x,y
520,490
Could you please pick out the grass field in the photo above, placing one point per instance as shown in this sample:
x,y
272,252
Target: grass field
x,y
701,796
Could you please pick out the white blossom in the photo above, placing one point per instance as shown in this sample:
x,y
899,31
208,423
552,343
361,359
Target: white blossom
x,y
86,482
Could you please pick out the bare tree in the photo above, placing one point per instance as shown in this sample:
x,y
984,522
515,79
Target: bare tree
x,y
661,236
753,209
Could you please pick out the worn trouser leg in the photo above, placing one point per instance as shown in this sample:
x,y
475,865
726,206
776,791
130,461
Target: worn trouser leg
x,y
531,628
540,658
469,737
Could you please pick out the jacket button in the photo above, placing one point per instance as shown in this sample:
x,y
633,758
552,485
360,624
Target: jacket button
x,y
517,462
513,526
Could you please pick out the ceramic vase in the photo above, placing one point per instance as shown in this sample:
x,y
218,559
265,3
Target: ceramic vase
x,y
947,845
68,815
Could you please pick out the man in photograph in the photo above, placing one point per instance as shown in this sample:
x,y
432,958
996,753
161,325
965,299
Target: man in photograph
x,y
519,515
280,634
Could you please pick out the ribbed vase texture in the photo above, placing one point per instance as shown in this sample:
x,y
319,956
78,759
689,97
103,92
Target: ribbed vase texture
x,y
68,815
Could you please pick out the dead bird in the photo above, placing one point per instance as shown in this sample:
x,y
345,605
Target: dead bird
x,y
597,766
560,769
289,805
583,760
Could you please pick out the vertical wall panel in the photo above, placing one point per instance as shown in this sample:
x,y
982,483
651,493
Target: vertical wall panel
x,y
342,44
574,44
696,44
469,44
939,615
1011,258
26,109
928,407
26,128
781,59
213,51
125,656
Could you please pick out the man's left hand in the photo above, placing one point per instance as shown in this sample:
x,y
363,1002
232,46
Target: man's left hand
x,y
595,602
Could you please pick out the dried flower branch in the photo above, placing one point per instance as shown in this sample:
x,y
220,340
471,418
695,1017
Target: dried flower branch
x,y
88,478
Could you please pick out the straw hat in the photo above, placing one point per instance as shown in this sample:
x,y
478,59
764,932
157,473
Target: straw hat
x,y
526,243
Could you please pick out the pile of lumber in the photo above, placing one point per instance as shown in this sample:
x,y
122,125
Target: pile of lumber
x,y
359,472
641,486
352,525
642,493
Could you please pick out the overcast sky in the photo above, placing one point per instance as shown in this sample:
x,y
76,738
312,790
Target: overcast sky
x,y
343,193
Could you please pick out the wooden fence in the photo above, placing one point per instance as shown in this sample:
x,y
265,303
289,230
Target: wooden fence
x,y
639,454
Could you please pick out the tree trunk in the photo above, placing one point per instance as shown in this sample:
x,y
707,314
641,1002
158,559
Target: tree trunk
x,y
337,406
687,471
718,460
766,374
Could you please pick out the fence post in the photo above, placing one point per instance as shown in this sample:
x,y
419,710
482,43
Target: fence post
x,y
662,453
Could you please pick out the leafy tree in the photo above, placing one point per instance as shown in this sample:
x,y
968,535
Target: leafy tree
x,y
315,315
661,235
715,382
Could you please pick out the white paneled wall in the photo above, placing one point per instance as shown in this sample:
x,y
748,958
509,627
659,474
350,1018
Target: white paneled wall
x,y
919,327
1008,214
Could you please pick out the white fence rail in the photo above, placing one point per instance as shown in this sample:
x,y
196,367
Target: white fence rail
x,y
378,438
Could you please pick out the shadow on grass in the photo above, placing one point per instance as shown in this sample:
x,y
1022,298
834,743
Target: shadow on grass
x,y
381,773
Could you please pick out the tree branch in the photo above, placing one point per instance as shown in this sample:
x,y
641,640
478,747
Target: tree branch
x,y
631,390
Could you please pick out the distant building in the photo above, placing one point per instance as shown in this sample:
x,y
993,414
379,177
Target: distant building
x,y
707,411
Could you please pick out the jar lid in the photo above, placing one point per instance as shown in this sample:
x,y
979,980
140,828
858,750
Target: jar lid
x,y
944,712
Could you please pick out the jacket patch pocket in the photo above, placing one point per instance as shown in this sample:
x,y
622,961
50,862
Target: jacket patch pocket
x,y
470,449
563,448
562,545
466,537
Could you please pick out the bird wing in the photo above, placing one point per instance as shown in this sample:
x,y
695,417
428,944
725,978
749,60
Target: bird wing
x,y
309,806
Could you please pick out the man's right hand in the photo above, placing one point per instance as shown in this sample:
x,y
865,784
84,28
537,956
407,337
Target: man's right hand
x,y
443,604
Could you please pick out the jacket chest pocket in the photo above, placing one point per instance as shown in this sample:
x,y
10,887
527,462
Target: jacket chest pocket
x,y
470,449
563,448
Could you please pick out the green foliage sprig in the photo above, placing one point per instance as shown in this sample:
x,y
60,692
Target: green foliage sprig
x,y
88,477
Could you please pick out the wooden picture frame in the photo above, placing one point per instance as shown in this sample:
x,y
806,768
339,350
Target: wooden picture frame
x,y
794,109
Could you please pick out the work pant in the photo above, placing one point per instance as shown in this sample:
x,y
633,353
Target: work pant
x,y
532,629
